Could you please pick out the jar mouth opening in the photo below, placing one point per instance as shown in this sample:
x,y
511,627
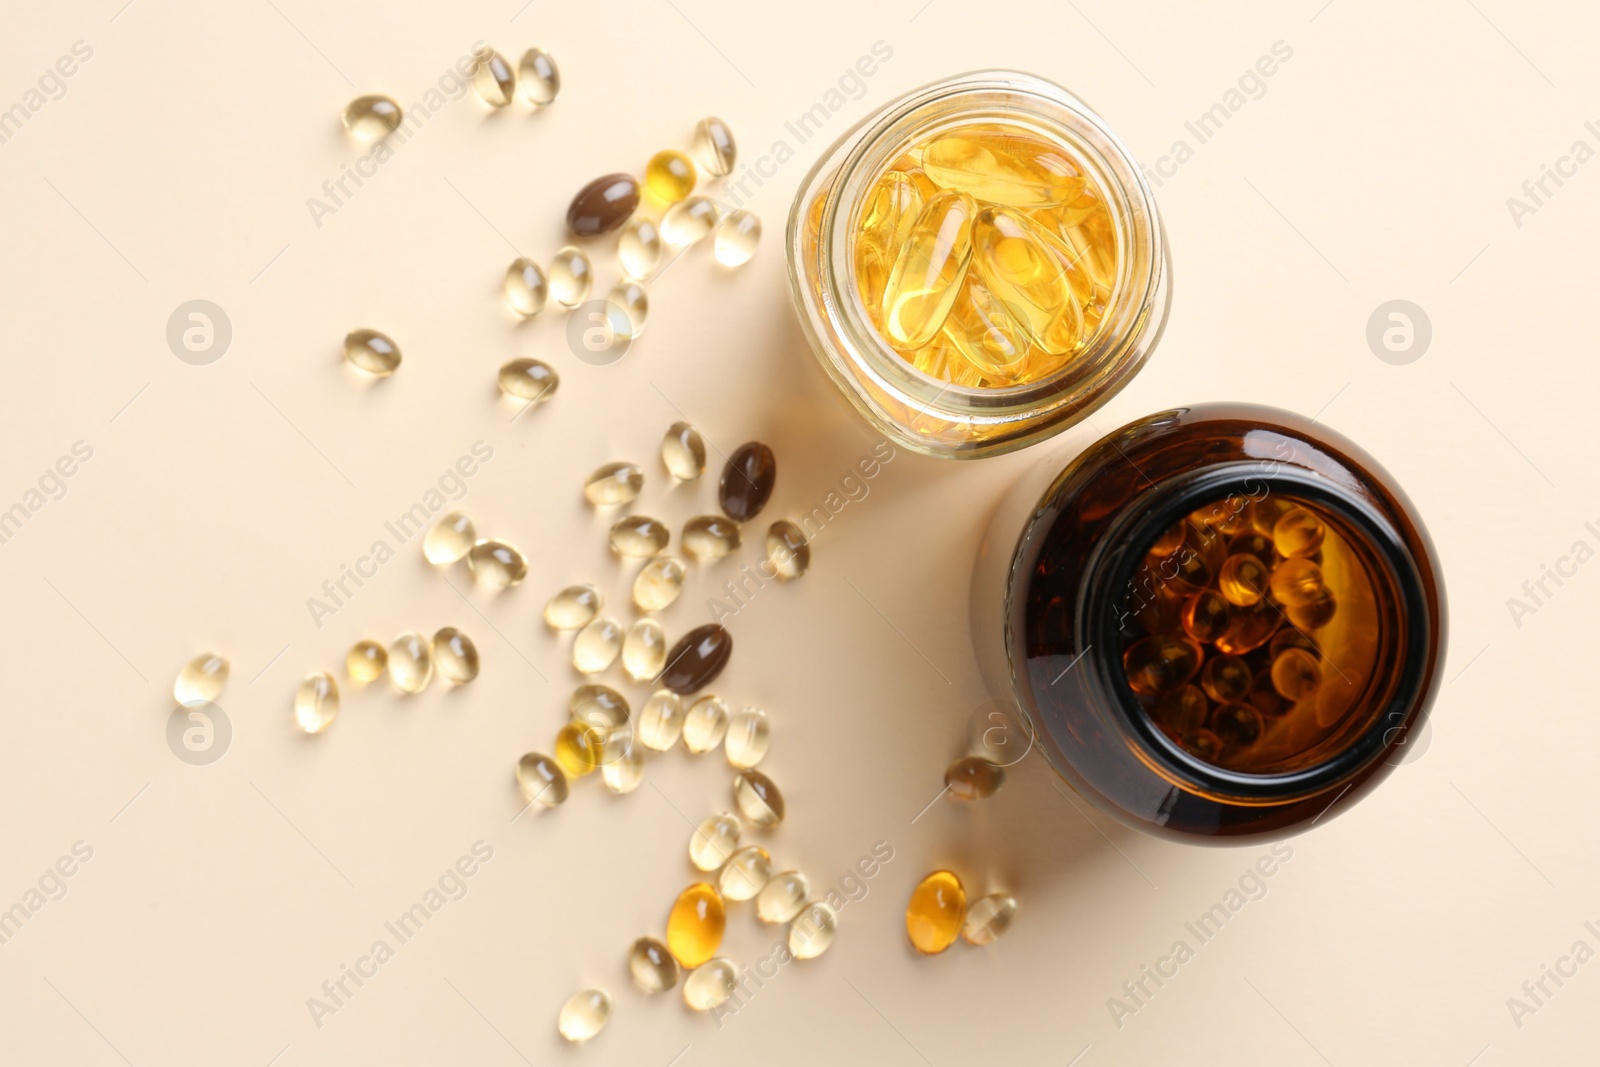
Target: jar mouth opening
x,y
1027,104
1375,716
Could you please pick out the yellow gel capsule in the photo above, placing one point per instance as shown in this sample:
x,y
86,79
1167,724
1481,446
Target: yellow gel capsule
x,y
941,359
695,925
984,331
1243,579
927,275
1003,168
890,211
936,912
1032,275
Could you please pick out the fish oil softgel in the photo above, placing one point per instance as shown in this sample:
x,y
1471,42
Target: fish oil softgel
x,y
541,780
757,798
688,221
683,452
813,930
661,720
538,78
499,564
746,873
658,583
708,537
570,277
988,918
410,662
316,702
525,287
695,925
449,539
714,840
974,778
985,256
644,650
669,176
639,248
936,912
638,535
652,966
706,724
781,899
715,146
788,551
584,1015
748,737
737,237
614,483
493,78
597,646
528,379
372,117
711,985
372,351
573,608
201,680
365,662
455,656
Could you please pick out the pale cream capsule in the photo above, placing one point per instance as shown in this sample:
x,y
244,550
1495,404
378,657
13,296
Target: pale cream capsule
x,y
455,655
738,236
411,662
372,117
372,351
659,583
644,650
661,720
710,537
598,705
497,563
622,762
710,985
639,248
688,221
316,702
988,918
584,1014
570,277
596,646
788,552
573,607
715,147
705,724
614,483
813,930
638,535
493,78
538,78
714,840
541,780
757,798
749,734
781,899
634,301
653,968
683,452
525,287
746,873
365,662
528,379
200,681
450,539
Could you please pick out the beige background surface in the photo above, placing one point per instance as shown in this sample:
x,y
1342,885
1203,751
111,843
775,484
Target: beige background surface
x,y
177,165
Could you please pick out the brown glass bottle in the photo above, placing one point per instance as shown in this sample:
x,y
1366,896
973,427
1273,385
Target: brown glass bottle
x,y
1220,621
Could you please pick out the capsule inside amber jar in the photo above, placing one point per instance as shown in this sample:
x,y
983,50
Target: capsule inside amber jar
x,y
985,256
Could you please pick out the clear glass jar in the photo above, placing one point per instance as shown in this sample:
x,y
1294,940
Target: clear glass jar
x,y
917,410
1273,697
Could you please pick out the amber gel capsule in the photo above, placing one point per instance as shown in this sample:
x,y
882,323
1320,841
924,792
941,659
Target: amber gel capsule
x,y
1003,168
695,925
935,914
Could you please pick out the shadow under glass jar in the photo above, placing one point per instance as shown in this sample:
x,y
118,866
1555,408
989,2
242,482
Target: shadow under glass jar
x,y
1219,621
916,409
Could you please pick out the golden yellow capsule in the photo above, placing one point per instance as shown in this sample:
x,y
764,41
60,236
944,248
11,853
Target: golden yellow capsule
x,y
669,176
578,748
1249,628
1205,616
891,209
1313,615
935,914
1298,532
365,662
1003,168
1297,581
1243,579
927,275
1225,679
986,333
695,925
1182,711
1161,663
1296,674
1032,275
1265,513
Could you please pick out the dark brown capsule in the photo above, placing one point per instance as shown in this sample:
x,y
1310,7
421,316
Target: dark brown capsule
x,y
697,658
603,205
747,481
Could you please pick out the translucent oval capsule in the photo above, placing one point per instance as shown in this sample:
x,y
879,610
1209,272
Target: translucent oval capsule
x,y
598,705
449,539
538,78
584,1014
986,333
745,873
890,211
988,918
757,798
683,452
614,483
705,724
1161,663
497,563
493,79
927,274
200,681
688,221
652,966
973,778
738,237
711,985
714,146
316,702
1297,581
411,662
659,583
573,607
661,720
633,301
570,277
541,780
579,749
813,930
455,655
1298,532
528,379
638,535
695,924
372,117
788,552
372,351
1296,674
749,734
625,772
1243,579
714,840
781,899
525,287
935,913
644,650
1032,276
669,176
597,645
710,537
1225,678
365,662
1003,168
639,248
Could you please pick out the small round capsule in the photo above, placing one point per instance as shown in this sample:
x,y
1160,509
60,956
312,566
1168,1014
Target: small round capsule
x,y
661,720
935,914
709,537
688,221
450,539
1205,615
639,248
669,176
372,351
1243,579
579,749
757,798
659,583
988,918
644,650
1182,711
714,840
1225,678
538,78
541,780
652,966
410,662
316,702
528,379
493,79
598,705
499,564
710,986
633,300
973,778
738,236
525,287
584,1015
365,662
1298,532
455,655
570,277
788,552
706,724
781,899
622,763
1298,581
639,536
695,924
749,734
1161,663
372,117
573,607
614,483
1296,674
683,452
813,930
746,873
715,146
597,645
200,681
1235,725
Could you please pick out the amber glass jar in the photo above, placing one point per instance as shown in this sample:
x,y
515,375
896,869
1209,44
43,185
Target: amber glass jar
x,y
918,410
1221,622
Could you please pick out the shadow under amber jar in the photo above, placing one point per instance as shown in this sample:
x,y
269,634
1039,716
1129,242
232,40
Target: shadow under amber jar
x,y
917,410
1056,601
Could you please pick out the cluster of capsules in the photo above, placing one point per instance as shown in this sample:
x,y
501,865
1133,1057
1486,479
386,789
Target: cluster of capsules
x,y
1232,598
986,256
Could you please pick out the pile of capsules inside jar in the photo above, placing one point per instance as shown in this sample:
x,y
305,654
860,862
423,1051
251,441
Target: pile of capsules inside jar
x,y
986,256
1250,631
